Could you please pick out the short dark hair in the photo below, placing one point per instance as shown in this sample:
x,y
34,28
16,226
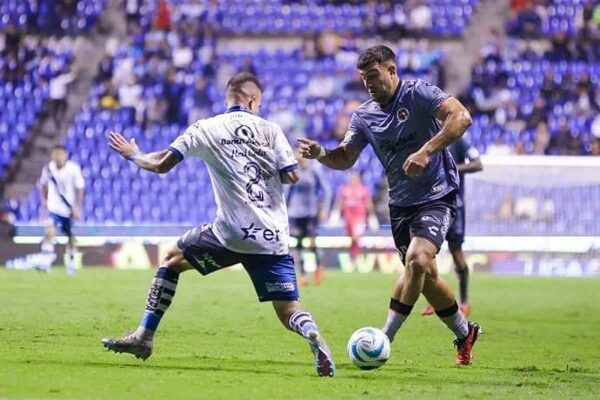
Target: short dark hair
x,y
376,54
59,147
236,81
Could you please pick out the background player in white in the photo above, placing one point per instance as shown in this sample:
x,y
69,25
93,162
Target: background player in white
x,y
62,187
248,160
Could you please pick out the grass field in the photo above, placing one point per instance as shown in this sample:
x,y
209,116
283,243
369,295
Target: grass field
x,y
542,340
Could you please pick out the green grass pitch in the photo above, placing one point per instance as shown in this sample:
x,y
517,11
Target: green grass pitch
x,y
542,340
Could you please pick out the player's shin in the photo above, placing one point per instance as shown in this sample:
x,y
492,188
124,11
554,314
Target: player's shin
x,y
454,320
159,299
302,323
463,284
397,314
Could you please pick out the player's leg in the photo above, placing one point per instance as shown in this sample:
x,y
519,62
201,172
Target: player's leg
x,y
274,279
456,237
429,228
196,249
70,250
398,312
49,232
312,242
161,293
355,229
296,230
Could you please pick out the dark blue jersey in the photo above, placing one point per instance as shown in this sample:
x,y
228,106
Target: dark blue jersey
x,y
400,129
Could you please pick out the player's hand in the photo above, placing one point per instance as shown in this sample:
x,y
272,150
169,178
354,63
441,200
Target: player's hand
x,y
118,143
309,148
416,163
76,213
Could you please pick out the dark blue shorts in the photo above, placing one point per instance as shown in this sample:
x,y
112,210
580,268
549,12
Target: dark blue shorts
x,y
429,221
456,233
304,227
273,276
64,223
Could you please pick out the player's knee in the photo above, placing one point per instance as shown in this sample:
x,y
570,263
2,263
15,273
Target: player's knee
x,y
418,262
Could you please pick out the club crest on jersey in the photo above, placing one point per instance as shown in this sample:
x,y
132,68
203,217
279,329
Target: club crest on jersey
x,y
403,114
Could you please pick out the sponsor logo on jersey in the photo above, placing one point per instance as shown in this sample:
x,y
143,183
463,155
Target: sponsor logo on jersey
x,y
253,232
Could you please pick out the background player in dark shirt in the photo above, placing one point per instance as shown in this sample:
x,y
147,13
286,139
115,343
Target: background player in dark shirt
x,y
467,161
410,124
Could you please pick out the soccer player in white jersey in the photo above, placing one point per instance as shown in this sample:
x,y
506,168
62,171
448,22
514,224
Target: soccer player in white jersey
x,y
62,187
248,160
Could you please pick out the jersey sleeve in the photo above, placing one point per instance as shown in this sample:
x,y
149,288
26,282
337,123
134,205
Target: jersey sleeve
x,y
189,143
429,97
355,135
284,155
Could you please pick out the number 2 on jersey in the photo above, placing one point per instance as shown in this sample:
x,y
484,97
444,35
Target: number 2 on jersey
x,y
252,169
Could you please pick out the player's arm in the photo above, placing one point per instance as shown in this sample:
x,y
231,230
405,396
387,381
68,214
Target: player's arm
x,y
340,158
470,167
44,195
159,162
456,120
372,220
44,188
79,204
289,178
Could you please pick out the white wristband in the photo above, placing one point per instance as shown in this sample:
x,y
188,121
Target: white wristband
x,y
323,152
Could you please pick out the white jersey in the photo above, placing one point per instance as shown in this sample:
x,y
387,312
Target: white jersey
x,y
245,155
63,185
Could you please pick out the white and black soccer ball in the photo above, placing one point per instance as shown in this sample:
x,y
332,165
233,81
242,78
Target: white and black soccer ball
x,y
369,348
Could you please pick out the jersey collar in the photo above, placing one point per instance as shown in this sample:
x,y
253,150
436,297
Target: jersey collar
x,y
238,108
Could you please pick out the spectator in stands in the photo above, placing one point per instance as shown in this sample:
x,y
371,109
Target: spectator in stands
x,y
419,18
526,22
563,142
163,16
172,92
248,66
390,20
539,112
320,85
202,102
109,97
328,45
156,110
585,98
105,69
542,139
130,96
58,96
560,48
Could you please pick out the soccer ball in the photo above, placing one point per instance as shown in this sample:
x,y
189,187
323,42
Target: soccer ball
x,y
369,348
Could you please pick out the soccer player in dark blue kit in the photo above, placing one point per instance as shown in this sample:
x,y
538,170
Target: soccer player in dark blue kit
x,y
466,157
410,124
